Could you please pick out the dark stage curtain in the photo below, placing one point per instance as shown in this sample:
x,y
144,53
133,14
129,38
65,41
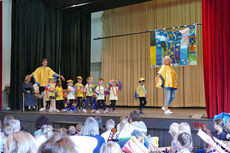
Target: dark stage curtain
x,y
75,57
216,55
36,34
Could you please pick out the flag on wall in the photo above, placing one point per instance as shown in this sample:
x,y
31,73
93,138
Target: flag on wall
x,y
179,45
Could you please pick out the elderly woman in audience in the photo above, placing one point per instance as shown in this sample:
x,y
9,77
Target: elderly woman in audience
x,y
58,144
173,131
7,120
136,124
184,142
46,133
20,142
110,147
110,124
72,131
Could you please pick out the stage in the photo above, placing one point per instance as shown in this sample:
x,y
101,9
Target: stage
x,y
157,122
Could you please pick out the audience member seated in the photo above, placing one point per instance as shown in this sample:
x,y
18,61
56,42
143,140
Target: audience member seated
x,y
219,127
58,144
15,124
110,147
46,133
2,139
101,128
173,131
8,130
184,142
39,123
20,142
72,131
79,128
110,124
124,130
184,127
7,120
138,126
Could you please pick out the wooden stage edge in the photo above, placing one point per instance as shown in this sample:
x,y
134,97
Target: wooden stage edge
x,y
156,121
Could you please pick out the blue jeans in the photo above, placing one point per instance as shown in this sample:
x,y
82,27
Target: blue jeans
x,y
169,96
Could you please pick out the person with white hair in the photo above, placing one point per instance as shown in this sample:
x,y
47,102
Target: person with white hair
x,y
20,142
110,124
72,130
15,124
173,131
46,133
110,147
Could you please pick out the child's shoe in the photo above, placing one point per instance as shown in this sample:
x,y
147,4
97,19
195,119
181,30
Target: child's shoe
x,y
168,112
84,111
97,112
92,111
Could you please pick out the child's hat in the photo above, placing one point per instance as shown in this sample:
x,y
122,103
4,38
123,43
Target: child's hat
x,y
79,77
100,79
113,80
141,79
70,80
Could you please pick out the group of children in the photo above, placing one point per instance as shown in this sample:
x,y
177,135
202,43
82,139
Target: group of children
x,y
79,97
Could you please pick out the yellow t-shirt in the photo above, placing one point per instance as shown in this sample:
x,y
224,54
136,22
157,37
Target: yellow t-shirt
x,y
89,90
59,91
168,79
42,74
79,90
51,90
140,91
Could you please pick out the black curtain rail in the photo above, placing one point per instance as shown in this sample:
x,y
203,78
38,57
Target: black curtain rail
x,y
136,33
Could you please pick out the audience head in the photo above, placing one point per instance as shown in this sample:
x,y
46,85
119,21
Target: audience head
x,y
72,130
218,124
110,147
20,142
184,127
110,124
124,124
79,128
7,119
47,131
58,144
8,130
174,129
41,121
61,131
15,124
134,116
90,127
184,141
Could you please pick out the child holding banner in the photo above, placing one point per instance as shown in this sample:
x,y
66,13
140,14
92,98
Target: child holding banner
x,y
166,79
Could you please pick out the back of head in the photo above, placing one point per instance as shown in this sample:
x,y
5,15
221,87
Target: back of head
x,y
15,124
90,127
8,130
58,144
79,128
220,122
174,129
110,147
41,121
184,127
72,130
99,121
185,140
110,124
20,142
7,119
135,116
47,131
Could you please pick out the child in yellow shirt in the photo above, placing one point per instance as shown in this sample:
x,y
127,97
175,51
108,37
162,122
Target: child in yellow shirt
x,y
141,92
59,97
51,93
89,89
79,92
166,79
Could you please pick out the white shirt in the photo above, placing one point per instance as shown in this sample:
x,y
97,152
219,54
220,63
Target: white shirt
x,y
106,134
113,93
100,90
71,95
84,144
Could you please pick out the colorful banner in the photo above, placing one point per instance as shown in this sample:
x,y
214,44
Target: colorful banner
x,y
179,45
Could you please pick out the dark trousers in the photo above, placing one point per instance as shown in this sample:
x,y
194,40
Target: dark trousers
x,y
79,102
41,89
47,104
70,104
59,104
102,103
113,104
143,102
89,102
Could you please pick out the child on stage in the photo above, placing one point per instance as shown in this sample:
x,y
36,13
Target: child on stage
x,y
89,89
70,94
59,97
100,94
166,79
113,91
51,93
141,93
79,93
